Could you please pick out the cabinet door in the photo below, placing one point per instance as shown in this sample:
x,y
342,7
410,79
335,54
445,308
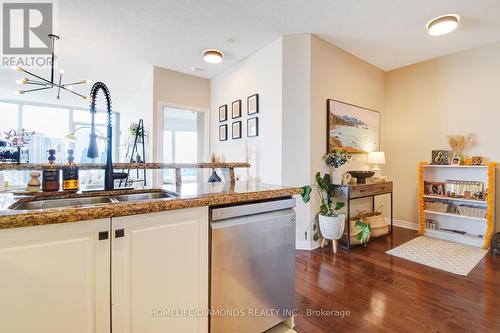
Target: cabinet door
x,y
160,265
55,278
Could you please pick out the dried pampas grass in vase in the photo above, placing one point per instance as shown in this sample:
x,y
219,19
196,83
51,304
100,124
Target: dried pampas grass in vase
x,y
461,145
214,159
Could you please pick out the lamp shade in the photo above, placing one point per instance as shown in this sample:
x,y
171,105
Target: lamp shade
x,y
376,157
71,137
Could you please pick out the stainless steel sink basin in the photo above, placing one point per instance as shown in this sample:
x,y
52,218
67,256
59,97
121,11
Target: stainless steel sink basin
x,y
60,203
90,201
145,196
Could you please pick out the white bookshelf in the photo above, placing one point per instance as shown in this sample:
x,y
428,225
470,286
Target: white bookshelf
x,y
468,230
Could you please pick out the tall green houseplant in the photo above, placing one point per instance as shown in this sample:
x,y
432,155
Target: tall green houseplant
x,y
328,206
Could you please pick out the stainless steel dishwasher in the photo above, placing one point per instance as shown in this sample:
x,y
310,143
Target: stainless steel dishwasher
x,y
252,266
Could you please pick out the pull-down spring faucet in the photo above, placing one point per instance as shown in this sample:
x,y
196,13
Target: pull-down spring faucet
x,y
93,151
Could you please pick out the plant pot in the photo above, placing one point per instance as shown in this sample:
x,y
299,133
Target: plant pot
x,y
336,177
332,227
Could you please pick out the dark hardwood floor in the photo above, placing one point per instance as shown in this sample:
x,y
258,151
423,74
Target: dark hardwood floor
x,y
383,293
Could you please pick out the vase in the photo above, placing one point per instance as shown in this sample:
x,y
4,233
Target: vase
x,y
332,227
336,176
214,177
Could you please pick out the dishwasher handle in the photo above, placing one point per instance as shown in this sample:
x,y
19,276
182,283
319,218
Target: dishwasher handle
x,y
218,214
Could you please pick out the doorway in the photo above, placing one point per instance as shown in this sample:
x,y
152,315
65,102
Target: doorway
x,y
183,138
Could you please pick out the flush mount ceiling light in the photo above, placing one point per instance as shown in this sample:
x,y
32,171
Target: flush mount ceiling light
x,y
213,56
443,25
37,83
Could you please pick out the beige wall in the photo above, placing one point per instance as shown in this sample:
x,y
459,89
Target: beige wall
x,y
177,88
333,73
339,75
454,94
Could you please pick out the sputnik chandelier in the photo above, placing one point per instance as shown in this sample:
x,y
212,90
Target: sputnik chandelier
x,y
37,83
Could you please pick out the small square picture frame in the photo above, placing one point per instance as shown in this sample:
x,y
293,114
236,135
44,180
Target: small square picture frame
x,y
222,113
253,104
223,132
236,109
236,130
456,160
253,127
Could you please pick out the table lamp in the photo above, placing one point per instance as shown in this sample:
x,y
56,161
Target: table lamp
x,y
376,158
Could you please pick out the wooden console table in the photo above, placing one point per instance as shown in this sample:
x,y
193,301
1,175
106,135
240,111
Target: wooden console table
x,y
360,191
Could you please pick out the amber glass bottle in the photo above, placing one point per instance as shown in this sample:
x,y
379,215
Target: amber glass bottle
x,y
51,174
70,174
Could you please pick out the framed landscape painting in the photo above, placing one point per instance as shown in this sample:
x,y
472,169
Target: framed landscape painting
x,y
352,128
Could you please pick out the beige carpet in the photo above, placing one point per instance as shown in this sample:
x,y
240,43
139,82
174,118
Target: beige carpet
x,y
437,253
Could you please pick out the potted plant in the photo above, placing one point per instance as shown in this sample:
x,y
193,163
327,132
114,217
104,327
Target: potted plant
x,y
336,159
331,223
364,233
134,130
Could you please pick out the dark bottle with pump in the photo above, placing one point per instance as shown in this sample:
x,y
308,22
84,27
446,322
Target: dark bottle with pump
x,y
51,174
70,174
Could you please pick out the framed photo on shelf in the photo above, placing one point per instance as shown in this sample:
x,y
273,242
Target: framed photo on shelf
x,y
236,130
435,188
440,157
236,109
455,160
223,113
223,132
252,127
253,104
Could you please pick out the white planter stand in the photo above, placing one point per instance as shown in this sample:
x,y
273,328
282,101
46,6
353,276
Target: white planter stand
x,y
332,227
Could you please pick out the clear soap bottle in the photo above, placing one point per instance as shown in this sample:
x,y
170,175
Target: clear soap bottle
x,y
51,174
70,174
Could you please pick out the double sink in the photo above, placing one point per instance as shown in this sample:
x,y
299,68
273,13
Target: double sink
x,y
90,201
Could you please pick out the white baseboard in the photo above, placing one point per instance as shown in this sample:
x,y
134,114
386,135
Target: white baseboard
x,y
404,224
306,245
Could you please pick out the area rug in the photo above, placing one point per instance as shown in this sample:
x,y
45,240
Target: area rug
x,y
437,253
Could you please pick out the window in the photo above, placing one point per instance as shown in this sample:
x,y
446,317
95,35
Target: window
x,y
9,115
51,124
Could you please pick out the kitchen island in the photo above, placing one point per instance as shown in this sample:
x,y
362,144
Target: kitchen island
x,y
185,196
123,266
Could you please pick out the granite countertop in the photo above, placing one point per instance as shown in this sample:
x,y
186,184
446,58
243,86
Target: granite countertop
x,y
190,195
148,166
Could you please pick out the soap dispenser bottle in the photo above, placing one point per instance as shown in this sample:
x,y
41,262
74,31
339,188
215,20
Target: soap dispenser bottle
x,y
70,173
51,174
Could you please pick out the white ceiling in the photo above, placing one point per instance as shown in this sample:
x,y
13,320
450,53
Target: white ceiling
x,y
172,33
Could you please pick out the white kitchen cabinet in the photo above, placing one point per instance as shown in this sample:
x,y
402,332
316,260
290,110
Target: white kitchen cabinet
x,y
55,278
160,265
